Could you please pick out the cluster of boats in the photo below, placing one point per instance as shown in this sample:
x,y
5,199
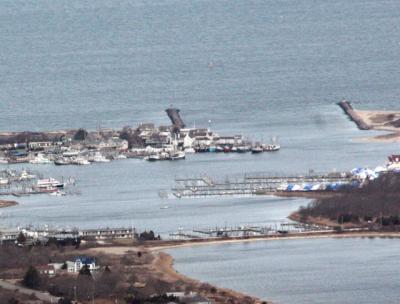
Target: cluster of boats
x,y
74,158
240,149
166,155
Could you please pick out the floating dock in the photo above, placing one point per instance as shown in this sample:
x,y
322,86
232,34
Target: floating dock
x,y
254,184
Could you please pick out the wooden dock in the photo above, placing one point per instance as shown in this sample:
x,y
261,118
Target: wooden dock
x,y
250,184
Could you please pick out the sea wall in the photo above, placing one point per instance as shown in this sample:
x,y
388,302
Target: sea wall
x,y
348,109
176,119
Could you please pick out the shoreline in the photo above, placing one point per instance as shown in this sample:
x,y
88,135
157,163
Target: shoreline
x,y
5,204
376,120
162,265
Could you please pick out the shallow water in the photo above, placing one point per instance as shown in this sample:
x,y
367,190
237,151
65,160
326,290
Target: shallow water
x,y
355,270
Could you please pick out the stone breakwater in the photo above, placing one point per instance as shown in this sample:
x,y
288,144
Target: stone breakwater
x,y
352,114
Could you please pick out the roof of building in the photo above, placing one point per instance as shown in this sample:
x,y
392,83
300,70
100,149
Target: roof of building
x,y
85,260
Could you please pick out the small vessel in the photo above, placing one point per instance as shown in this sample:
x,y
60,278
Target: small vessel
x,y
242,149
62,162
99,158
212,149
164,207
159,156
190,150
178,155
227,149
3,160
25,175
40,159
272,148
219,149
3,181
257,149
57,193
120,156
49,182
81,161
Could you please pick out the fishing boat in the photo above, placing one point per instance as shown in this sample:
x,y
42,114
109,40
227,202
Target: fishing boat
x,y
178,155
219,149
257,149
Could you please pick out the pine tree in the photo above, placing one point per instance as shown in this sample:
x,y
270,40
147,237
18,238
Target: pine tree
x,y
31,278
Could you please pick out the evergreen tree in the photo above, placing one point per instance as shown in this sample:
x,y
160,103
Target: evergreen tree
x,y
31,278
85,271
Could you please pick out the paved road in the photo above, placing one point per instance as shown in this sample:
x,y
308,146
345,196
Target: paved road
x,y
44,296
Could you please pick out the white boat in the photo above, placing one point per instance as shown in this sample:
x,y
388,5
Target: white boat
x,y
178,155
164,207
58,193
120,156
272,148
190,150
25,175
49,183
3,181
81,161
40,159
3,160
99,158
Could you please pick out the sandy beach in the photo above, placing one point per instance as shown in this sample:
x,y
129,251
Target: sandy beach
x,y
388,121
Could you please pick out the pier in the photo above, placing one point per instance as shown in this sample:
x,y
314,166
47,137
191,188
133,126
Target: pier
x,y
246,231
253,184
352,114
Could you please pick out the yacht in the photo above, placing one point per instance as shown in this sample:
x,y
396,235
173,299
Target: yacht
x,y
49,183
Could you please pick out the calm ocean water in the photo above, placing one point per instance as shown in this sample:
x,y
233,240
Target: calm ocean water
x,y
294,272
259,68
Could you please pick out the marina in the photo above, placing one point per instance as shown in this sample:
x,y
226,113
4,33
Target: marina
x,y
252,184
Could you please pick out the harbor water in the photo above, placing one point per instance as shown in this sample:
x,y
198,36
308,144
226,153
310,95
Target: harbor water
x,y
354,270
257,68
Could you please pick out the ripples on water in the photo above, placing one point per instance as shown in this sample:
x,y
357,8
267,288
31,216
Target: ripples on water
x,y
277,69
300,271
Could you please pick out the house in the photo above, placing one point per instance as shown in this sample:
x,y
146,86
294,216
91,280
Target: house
x,y
47,270
82,261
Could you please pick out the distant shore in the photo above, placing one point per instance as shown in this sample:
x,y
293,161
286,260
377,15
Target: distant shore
x,y
4,204
388,121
